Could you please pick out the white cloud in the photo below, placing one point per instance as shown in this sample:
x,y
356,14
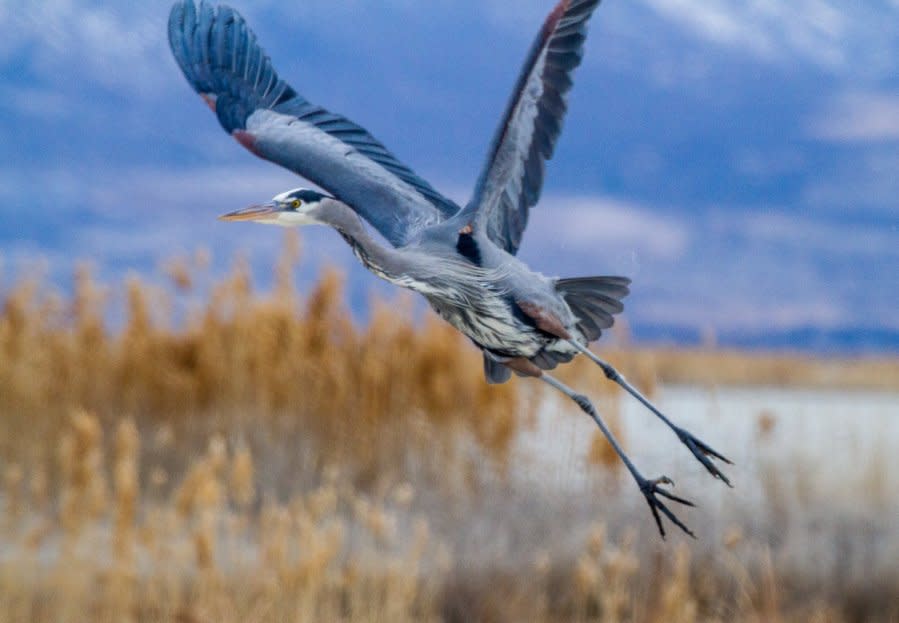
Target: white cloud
x,y
34,102
716,22
830,34
859,117
590,223
767,164
133,218
205,192
866,183
733,269
814,236
744,313
119,47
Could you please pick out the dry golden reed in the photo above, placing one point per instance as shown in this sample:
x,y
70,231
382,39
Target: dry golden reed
x,y
721,366
125,483
366,392
243,490
264,457
12,492
84,486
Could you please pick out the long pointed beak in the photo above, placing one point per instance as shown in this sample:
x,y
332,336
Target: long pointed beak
x,y
253,213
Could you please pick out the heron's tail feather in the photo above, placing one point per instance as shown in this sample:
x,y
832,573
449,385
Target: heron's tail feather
x,y
594,300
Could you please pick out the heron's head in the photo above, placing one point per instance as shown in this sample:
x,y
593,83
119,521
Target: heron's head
x,y
291,209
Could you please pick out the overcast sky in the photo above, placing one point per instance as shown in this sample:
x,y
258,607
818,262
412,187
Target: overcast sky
x,y
738,160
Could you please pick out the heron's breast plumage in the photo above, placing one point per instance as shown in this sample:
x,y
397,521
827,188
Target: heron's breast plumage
x,y
491,323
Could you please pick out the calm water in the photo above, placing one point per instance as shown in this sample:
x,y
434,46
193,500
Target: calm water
x,y
845,438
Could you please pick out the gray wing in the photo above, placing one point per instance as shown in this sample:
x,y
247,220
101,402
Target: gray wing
x,y
221,59
512,178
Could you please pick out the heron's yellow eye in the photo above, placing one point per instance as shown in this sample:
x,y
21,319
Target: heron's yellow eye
x,y
297,203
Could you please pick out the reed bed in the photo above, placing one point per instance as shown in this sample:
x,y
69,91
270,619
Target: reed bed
x,y
230,455
716,366
368,393
216,547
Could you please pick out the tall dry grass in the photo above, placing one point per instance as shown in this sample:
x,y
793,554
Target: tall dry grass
x,y
216,550
368,393
263,457
714,366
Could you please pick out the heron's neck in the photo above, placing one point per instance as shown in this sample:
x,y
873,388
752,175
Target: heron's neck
x,y
383,260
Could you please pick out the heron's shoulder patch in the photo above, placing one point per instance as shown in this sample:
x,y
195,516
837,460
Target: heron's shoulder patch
x,y
468,248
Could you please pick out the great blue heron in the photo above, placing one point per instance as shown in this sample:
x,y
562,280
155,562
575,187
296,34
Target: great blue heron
x,y
462,260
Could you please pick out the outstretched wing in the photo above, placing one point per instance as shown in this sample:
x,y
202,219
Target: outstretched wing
x,y
221,59
512,178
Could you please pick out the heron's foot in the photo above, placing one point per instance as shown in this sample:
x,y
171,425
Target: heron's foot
x,y
704,454
651,489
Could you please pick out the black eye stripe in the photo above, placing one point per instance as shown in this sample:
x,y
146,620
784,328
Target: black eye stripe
x,y
307,196
303,195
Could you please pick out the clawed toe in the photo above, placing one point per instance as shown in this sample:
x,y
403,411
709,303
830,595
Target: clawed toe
x,y
652,488
702,451
704,454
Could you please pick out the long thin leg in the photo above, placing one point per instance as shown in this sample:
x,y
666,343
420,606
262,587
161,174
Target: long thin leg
x,y
649,488
700,449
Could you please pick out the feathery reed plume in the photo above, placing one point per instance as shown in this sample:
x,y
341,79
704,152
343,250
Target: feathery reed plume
x,y
125,482
13,476
243,490
179,271
766,422
38,488
676,602
84,492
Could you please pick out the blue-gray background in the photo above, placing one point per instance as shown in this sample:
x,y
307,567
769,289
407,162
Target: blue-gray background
x,y
739,160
